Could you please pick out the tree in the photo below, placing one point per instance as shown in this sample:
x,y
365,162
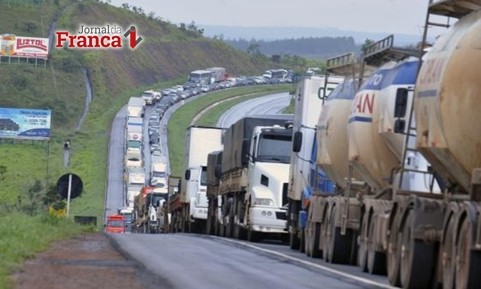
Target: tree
x,y
33,198
254,49
367,42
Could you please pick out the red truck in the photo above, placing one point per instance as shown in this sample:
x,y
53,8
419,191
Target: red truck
x,y
115,224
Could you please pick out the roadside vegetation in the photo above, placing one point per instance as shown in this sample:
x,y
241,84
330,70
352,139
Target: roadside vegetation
x,y
29,170
23,235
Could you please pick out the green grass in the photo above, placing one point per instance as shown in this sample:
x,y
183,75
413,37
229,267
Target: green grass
x,y
165,59
290,109
180,120
23,236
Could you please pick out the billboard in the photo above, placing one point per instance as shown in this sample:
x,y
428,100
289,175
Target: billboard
x,y
25,123
20,46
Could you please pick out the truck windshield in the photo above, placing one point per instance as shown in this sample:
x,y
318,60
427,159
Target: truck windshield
x,y
155,199
203,177
134,144
127,217
158,174
274,147
115,223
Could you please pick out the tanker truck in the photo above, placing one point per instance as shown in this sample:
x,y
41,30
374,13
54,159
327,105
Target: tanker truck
x,y
360,149
254,177
377,130
331,135
442,233
309,98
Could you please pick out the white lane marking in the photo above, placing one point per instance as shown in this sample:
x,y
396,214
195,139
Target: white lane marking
x,y
318,266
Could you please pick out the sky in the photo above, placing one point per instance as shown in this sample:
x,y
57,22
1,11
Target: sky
x,y
380,16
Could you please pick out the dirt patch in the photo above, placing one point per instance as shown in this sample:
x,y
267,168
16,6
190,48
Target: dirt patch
x,y
85,262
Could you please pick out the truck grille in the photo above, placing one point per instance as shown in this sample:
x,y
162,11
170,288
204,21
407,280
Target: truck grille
x,y
281,215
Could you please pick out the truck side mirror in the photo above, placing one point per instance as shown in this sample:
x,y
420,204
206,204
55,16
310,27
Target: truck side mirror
x,y
401,102
218,171
187,175
297,142
245,152
399,125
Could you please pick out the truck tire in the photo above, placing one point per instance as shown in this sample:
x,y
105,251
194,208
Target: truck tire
x,y
376,261
239,233
362,252
314,241
302,241
339,245
253,236
449,253
394,252
416,254
293,241
468,262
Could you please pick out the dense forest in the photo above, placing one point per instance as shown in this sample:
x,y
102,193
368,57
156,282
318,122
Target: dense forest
x,y
311,47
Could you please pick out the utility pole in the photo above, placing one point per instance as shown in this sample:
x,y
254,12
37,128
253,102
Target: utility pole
x,y
66,164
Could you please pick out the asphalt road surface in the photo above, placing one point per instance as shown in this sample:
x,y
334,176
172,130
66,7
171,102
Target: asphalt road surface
x,y
266,105
199,261
191,261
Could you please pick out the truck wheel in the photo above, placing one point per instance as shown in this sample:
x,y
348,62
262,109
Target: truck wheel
x,y
293,241
325,237
415,254
448,254
302,241
394,252
376,261
229,227
339,245
314,239
468,262
362,253
239,233
307,238
253,236
221,230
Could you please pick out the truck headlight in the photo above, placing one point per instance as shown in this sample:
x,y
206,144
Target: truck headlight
x,y
263,202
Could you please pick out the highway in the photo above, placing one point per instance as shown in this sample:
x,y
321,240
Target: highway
x,y
200,261
270,104
190,261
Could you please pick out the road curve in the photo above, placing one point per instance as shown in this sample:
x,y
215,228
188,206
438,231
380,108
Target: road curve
x,y
269,104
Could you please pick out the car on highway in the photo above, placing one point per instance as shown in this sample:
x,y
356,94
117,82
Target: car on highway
x,y
156,151
154,147
154,138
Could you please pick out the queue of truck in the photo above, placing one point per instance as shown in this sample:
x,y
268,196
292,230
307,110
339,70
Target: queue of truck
x,y
141,186
388,176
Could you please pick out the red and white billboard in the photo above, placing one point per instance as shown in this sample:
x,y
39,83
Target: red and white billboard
x,y
20,46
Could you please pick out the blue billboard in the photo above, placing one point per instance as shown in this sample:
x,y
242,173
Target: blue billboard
x,y
25,123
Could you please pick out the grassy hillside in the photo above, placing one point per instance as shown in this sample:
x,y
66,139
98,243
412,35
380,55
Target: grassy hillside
x,y
165,57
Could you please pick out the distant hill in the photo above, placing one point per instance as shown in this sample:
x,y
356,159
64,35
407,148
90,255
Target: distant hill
x,y
276,33
167,52
309,47
166,56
